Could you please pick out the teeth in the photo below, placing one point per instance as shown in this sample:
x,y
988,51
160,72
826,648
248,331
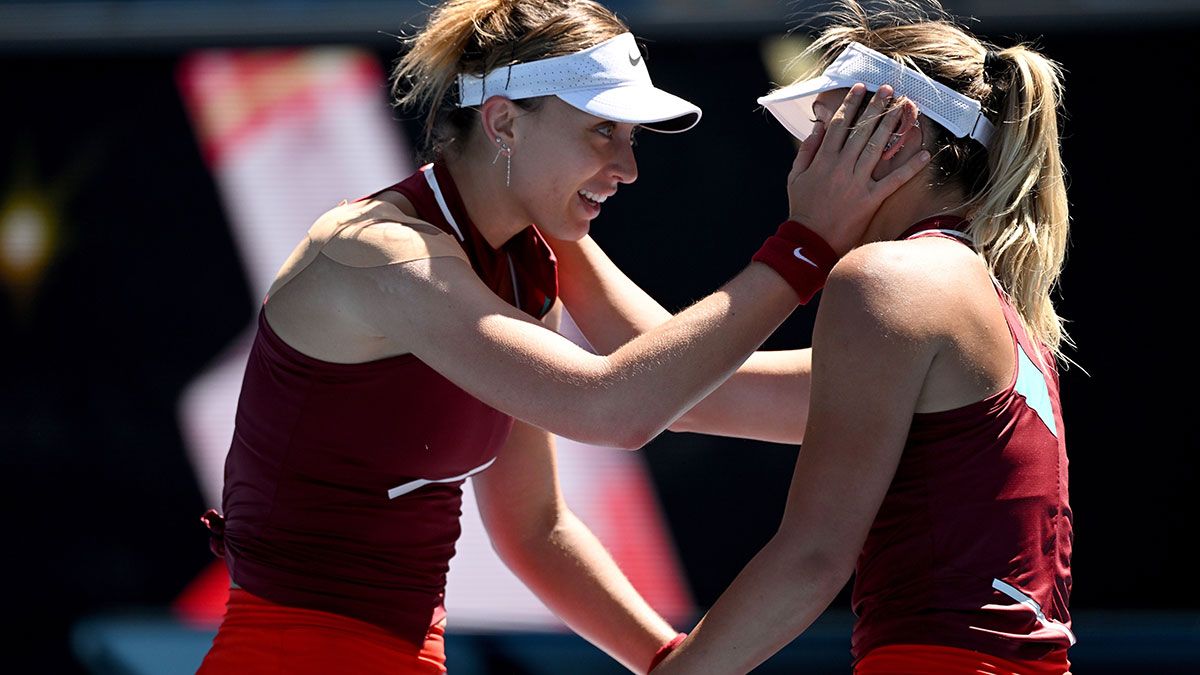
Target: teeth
x,y
599,199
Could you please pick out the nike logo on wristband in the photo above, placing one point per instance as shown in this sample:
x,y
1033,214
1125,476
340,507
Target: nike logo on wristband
x,y
799,253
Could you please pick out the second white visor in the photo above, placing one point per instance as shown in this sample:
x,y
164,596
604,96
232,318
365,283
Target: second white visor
x,y
959,114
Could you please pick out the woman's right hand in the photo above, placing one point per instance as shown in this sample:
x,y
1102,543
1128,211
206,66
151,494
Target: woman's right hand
x,y
830,188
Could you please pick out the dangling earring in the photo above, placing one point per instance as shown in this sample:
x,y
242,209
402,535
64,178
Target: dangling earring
x,y
507,152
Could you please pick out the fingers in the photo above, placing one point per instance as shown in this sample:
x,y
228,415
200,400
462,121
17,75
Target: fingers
x,y
839,124
901,175
887,137
873,117
808,148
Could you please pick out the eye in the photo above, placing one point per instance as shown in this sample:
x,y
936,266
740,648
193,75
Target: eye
x,y
633,136
606,129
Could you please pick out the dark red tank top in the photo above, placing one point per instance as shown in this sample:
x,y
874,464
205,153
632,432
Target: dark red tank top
x,y
325,504
971,547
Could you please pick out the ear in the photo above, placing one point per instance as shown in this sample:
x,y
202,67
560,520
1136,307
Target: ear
x,y
497,115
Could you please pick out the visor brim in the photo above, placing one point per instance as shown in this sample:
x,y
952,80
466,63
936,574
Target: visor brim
x,y
793,105
647,106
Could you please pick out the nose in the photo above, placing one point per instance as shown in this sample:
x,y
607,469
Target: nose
x,y
624,167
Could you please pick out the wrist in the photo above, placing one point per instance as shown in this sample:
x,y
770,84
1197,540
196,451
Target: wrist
x,y
802,257
666,649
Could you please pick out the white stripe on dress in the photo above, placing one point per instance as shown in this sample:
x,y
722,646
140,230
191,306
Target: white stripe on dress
x,y
405,488
1020,597
441,200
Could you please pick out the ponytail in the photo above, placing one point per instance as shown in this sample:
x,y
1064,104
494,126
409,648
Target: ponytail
x,y
1020,220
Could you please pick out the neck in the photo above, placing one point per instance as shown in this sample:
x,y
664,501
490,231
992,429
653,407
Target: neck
x,y
490,205
910,204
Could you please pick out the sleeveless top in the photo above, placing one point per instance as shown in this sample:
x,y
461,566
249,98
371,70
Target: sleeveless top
x,y
343,484
971,547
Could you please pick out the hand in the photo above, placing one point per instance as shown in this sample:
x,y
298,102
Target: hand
x,y
830,187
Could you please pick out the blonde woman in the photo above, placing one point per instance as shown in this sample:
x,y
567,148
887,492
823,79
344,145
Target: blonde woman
x,y
409,343
933,461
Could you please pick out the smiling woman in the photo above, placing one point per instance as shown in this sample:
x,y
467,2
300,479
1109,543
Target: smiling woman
x,y
410,331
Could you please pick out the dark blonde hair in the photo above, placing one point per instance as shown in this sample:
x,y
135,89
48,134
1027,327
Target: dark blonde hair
x,y
1016,192
477,36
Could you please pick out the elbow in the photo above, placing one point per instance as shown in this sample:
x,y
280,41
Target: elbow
x,y
519,539
624,435
825,566
689,422
633,440
634,429
610,432
611,409
615,420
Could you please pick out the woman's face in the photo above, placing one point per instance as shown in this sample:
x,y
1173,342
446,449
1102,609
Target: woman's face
x,y
566,163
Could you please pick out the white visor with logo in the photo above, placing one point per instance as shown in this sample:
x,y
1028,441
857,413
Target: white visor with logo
x,y
609,80
959,114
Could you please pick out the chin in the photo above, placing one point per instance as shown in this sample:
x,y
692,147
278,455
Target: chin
x,y
575,229
577,233
565,230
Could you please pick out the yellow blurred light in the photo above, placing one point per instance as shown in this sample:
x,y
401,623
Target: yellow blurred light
x,y
781,55
28,237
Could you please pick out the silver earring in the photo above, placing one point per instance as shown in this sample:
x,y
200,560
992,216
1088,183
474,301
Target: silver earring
x,y
507,152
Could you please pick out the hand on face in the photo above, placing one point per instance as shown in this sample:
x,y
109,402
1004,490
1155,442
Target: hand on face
x,y
834,187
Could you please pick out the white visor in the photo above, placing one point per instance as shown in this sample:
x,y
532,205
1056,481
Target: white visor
x,y
609,80
960,115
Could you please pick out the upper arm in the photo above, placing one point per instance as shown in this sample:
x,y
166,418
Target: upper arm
x,y
872,347
439,310
518,496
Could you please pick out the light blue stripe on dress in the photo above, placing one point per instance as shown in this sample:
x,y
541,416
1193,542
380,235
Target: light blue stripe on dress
x,y
1032,385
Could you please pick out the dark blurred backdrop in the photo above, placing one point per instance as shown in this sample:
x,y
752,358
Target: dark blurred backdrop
x,y
143,287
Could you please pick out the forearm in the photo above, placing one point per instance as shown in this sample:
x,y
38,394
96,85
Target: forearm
x,y
774,599
575,577
766,399
658,376
609,308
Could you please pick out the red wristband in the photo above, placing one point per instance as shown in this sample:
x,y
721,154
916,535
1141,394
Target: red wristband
x,y
800,256
666,649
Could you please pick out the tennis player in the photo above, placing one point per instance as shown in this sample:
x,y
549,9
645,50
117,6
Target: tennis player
x,y
409,343
934,462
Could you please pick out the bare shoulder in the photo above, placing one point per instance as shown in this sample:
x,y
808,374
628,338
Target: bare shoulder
x,y
907,286
380,234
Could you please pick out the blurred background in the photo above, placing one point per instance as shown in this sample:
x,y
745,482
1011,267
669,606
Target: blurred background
x,y
160,158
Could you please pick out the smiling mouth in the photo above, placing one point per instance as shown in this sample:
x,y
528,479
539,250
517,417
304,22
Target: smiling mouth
x,y
592,198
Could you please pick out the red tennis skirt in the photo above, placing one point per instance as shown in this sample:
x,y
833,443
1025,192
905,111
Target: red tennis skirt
x,y
259,637
938,660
